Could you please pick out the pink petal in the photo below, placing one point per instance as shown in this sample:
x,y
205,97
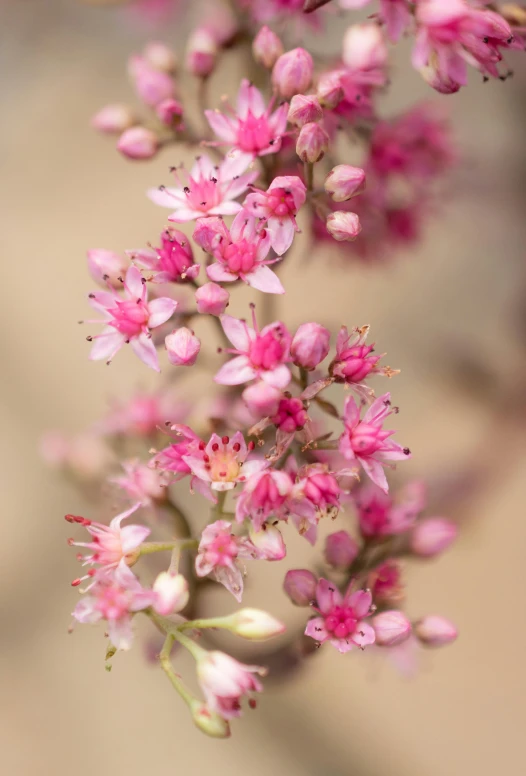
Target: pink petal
x,y
232,579
133,283
327,596
364,635
264,279
219,274
106,345
342,645
225,208
198,485
238,332
102,301
198,467
375,471
116,522
234,164
316,629
221,125
203,168
360,601
279,377
184,214
144,348
253,466
160,311
120,633
132,536
235,372
282,234
239,185
166,197
351,413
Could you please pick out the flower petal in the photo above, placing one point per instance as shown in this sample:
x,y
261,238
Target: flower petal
x,y
238,332
144,348
264,279
235,372
160,311
166,197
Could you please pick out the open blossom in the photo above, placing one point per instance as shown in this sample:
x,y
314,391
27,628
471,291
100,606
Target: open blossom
x,y
142,483
107,267
252,128
341,617
240,252
144,413
172,262
110,543
172,458
219,550
225,682
279,206
210,190
129,319
355,361
365,441
380,515
261,354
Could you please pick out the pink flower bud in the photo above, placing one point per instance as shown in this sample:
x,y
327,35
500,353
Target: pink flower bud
x,y
211,299
209,722
304,109
183,347
255,625
107,267
267,47
312,143
138,143
391,628
340,549
170,112
201,53
171,592
292,73
344,182
152,86
310,345
435,631
268,542
113,119
343,226
262,399
329,90
300,586
364,47
432,536
160,56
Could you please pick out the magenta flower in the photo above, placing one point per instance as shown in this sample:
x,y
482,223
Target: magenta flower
x,y
240,252
365,441
211,190
264,494
261,354
380,515
278,206
129,319
252,128
225,681
173,262
142,483
341,619
172,458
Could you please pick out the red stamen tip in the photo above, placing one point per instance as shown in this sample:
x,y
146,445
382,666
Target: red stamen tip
x,y
225,440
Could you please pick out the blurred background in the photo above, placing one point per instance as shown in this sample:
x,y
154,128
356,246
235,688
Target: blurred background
x,y
451,315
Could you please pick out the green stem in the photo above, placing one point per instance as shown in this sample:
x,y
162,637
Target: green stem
x,y
213,622
179,545
175,679
172,629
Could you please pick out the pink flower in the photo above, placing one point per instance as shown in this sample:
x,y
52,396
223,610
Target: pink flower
x,y
310,345
210,190
201,53
113,119
262,399
171,593
365,441
173,262
312,142
354,360
344,182
172,458
435,631
240,252
152,85
304,109
111,543
291,415
385,582
170,112
341,619
292,73
300,586
267,47
225,681
138,143
266,493
395,14
142,483
379,515
182,347
252,128
391,628
144,414
279,206
222,463
432,536
343,226
129,320
258,353
340,549
211,299
365,52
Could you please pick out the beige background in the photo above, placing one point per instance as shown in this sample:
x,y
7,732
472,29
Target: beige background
x,y
454,304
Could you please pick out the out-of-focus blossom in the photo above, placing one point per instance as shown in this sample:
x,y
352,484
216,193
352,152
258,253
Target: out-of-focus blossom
x,y
225,682
113,119
107,267
142,483
138,143
340,549
391,628
300,586
292,73
435,631
432,536
267,47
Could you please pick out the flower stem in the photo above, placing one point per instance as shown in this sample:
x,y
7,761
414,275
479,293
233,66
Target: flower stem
x,y
212,622
179,545
175,679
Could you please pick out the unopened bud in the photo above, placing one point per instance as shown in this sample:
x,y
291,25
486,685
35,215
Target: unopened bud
x,y
312,143
255,625
113,119
201,53
152,86
172,593
160,56
435,631
268,542
340,549
182,346
209,721
138,143
211,299
292,73
107,266
310,345
304,109
432,536
364,47
344,182
262,399
329,90
391,628
170,112
343,225
267,47
300,586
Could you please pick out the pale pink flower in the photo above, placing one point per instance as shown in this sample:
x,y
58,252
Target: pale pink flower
x,y
344,182
211,189
300,586
225,681
201,52
107,267
138,143
142,483
391,628
86,456
211,299
262,399
261,354
365,441
279,206
380,515
144,414
292,72
312,143
340,549
111,543
113,119
267,47
395,14
268,542
310,345
129,319
182,347
152,85
304,109
430,537
170,112
171,593
172,262
343,226
265,494
171,459
341,619
240,252
365,52
252,127
435,631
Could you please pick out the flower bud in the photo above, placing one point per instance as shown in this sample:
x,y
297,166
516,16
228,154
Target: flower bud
x,y
262,399
304,109
160,56
312,143
107,267
364,47
391,628
268,542
152,86
211,299
435,631
172,593
343,226
255,625
267,47
344,182
170,112
432,536
300,586
183,347
292,73
329,90
209,721
201,53
138,143
310,345
113,119
340,549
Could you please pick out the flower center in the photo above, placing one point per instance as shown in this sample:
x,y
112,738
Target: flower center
x,y
253,133
267,350
203,194
129,317
281,203
224,466
224,550
341,622
365,439
240,257
113,603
